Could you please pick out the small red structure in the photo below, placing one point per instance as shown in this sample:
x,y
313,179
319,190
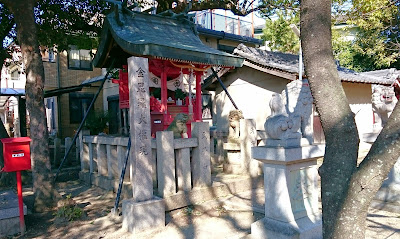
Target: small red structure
x,y
17,154
163,112
123,88
17,157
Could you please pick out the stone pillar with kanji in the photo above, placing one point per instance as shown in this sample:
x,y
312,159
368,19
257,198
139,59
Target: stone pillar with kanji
x,y
143,211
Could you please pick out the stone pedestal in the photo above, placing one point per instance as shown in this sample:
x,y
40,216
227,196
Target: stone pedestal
x,y
239,160
232,163
143,216
291,193
9,214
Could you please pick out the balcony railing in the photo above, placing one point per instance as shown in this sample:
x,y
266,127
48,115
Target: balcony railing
x,y
219,22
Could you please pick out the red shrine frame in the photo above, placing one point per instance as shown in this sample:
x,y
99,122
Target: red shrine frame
x,y
163,113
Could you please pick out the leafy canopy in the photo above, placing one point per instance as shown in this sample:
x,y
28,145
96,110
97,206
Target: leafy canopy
x,y
369,41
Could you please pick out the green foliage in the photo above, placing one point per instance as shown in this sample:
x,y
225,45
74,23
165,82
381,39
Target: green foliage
x,y
279,34
375,45
69,211
179,94
97,122
74,22
374,24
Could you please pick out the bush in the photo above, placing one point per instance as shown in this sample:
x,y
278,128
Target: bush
x,y
97,122
68,209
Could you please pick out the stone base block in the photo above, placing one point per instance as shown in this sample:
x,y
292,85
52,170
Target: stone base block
x,y
232,163
9,214
302,228
232,146
99,181
143,216
9,227
296,142
84,176
232,168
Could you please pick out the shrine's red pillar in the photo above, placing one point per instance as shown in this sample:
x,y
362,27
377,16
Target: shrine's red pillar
x,y
198,114
164,92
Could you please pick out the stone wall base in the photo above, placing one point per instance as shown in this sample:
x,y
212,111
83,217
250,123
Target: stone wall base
x,y
302,228
9,227
143,216
220,188
9,214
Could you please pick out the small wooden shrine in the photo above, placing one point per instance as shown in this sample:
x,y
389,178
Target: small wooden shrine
x,y
178,60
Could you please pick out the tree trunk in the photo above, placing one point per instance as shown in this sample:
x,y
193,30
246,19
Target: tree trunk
x,y
45,195
346,190
6,179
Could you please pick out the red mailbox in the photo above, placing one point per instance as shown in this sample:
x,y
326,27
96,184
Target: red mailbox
x,y
16,153
17,157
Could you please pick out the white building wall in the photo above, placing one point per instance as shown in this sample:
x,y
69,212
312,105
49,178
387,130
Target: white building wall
x,y
251,90
109,90
359,97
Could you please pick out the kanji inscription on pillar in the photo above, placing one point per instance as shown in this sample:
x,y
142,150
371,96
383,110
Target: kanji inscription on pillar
x,y
140,153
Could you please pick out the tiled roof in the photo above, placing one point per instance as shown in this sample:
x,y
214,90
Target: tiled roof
x,y
289,63
128,33
385,75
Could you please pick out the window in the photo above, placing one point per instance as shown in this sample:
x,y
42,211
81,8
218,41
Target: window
x,y
48,54
80,59
119,118
78,105
15,75
51,55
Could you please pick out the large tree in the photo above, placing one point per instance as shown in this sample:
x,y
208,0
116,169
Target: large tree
x,y
6,26
346,189
50,23
43,187
278,33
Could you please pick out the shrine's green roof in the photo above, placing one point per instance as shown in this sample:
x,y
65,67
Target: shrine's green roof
x,y
146,35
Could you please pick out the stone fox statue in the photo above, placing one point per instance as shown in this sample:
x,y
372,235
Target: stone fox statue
x,y
383,103
178,126
234,125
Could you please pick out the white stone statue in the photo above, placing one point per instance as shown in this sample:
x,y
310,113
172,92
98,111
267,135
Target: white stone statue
x,y
291,111
383,103
280,125
298,100
234,125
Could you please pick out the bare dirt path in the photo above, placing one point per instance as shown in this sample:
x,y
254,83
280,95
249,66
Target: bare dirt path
x,y
207,220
